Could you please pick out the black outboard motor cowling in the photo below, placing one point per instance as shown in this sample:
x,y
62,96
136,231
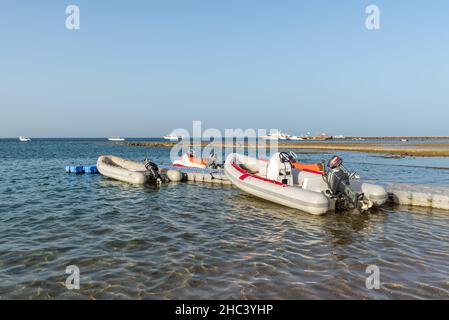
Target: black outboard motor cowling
x,y
153,171
338,180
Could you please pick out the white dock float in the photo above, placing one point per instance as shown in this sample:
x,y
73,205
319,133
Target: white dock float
x,y
419,195
214,176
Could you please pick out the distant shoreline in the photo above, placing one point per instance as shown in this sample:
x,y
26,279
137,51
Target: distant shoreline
x,y
395,137
316,138
439,149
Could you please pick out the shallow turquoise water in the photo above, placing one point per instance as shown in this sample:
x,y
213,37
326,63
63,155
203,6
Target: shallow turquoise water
x,y
204,241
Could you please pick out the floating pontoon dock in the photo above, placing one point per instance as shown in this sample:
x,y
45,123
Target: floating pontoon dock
x,y
198,175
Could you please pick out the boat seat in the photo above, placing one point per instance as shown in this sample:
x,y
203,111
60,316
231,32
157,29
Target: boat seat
x,y
277,170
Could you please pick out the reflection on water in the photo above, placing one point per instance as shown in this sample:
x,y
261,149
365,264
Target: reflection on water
x,y
202,241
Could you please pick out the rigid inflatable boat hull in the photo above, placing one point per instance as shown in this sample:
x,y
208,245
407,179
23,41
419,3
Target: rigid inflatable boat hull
x,y
123,170
291,196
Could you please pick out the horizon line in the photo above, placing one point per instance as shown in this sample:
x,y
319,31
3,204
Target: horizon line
x,y
158,137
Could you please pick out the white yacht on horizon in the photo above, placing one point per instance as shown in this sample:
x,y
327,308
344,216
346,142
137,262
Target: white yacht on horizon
x,y
277,135
24,139
116,139
171,137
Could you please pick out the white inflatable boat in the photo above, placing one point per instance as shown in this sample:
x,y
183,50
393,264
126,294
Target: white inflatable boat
x,y
315,192
127,170
188,160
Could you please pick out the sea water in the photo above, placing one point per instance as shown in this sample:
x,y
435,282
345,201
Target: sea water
x,y
185,240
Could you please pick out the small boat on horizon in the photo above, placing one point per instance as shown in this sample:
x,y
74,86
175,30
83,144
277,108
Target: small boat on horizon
x,y
116,139
277,135
24,139
171,137
269,138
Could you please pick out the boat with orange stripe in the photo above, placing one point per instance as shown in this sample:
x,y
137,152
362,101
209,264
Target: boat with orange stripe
x,y
188,160
309,188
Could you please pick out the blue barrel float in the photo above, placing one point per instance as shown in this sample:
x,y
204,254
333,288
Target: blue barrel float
x,y
90,169
81,169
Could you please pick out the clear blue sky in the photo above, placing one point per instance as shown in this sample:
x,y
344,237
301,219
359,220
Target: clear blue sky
x,y
143,68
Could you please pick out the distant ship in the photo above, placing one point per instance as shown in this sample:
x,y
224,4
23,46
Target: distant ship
x,y
171,137
278,135
116,139
295,138
269,137
24,139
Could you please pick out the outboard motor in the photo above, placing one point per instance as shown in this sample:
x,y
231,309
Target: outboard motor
x,y
338,180
212,161
153,171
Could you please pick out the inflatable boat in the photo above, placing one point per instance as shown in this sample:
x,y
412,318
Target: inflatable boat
x,y
188,160
127,170
310,188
